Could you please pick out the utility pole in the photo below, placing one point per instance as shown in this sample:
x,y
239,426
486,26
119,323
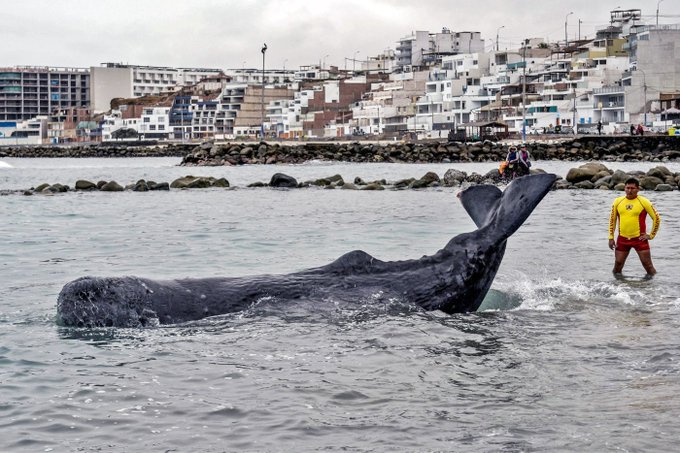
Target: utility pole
x,y
644,86
566,39
573,118
497,32
579,29
524,90
657,12
264,50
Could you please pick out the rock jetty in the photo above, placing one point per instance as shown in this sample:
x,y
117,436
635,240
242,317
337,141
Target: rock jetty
x,y
654,148
592,175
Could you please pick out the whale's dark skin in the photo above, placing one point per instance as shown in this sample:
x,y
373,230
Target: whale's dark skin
x,y
455,279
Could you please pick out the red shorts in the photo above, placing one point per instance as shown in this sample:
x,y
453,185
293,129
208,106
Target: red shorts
x,y
624,244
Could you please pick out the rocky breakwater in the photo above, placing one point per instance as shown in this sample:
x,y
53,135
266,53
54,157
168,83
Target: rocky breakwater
x,y
594,175
82,185
97,150
451,178
607,148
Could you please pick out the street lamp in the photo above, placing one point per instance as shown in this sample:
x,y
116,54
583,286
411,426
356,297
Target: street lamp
x,y
497,32
354,61
566,39
657,12
264,50
524,91
644,86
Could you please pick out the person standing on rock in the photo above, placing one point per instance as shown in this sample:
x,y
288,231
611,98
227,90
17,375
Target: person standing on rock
x,y
599,128
631,212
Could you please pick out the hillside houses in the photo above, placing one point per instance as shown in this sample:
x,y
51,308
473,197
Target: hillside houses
x,y
431,85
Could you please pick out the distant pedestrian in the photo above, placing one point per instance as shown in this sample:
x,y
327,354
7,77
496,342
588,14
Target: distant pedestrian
x,y
599,128
640,130
632,129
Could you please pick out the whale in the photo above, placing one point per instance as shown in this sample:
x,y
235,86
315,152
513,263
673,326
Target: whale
x,y
455,279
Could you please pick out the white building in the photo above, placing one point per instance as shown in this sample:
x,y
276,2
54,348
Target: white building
x,y
114,80
155,124
26,132
115,121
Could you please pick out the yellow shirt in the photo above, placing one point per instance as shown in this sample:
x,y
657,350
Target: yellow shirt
x,y
632,215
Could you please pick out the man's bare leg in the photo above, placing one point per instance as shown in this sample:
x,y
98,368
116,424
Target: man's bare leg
x,y
619,260
646,260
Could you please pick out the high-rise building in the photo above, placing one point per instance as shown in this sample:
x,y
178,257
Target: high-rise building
x,y
27,92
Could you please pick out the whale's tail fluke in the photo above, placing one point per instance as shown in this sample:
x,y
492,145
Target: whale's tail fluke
x,y
504,212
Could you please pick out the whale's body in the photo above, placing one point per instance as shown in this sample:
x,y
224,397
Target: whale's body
x,y
455,279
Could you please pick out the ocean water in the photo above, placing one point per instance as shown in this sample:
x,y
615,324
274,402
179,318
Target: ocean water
x,y
561,358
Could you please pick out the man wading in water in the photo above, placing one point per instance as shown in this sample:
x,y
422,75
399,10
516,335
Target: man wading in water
x,y
631,212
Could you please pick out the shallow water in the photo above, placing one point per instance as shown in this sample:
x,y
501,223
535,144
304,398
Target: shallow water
x,y
565,358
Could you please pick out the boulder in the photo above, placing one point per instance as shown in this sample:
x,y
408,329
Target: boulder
x,y
404,183
111,186
152,185
430,178
650,182
619,177
660,172
663,188
585,172
282,180
584,185
454,177
83,184
373,186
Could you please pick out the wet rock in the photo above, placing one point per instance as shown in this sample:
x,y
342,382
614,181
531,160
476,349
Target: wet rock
x,y
282,180
650,182
111,186
663,188
585,172
584,185
83,184
454,177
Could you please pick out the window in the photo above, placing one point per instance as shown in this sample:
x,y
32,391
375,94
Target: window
x,y
161,127
147,119
161,119
152,127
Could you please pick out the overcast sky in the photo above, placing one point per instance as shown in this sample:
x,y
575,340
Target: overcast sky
x,y
229,33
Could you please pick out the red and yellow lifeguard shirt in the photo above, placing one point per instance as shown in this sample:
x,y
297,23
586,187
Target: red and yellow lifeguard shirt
x,y
632,217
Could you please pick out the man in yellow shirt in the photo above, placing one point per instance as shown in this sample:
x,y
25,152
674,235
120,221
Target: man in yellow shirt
x,y
631,212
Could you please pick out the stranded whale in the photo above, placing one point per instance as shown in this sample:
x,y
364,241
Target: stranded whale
x,y
455,279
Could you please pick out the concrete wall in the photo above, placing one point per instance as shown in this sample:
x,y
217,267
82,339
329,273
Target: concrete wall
x,y
108,83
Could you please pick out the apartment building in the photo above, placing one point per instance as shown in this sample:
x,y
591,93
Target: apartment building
x,y
422,48
117,80
27,92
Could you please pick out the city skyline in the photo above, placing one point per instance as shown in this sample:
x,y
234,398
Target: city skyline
x,y
227,34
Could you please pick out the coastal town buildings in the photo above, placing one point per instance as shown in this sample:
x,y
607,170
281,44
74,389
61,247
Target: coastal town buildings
x,y
117,80
30,91
433,85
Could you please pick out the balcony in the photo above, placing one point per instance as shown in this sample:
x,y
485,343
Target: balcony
x,y
608,90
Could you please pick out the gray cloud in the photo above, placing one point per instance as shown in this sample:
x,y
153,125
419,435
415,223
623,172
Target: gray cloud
x,y
229,34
